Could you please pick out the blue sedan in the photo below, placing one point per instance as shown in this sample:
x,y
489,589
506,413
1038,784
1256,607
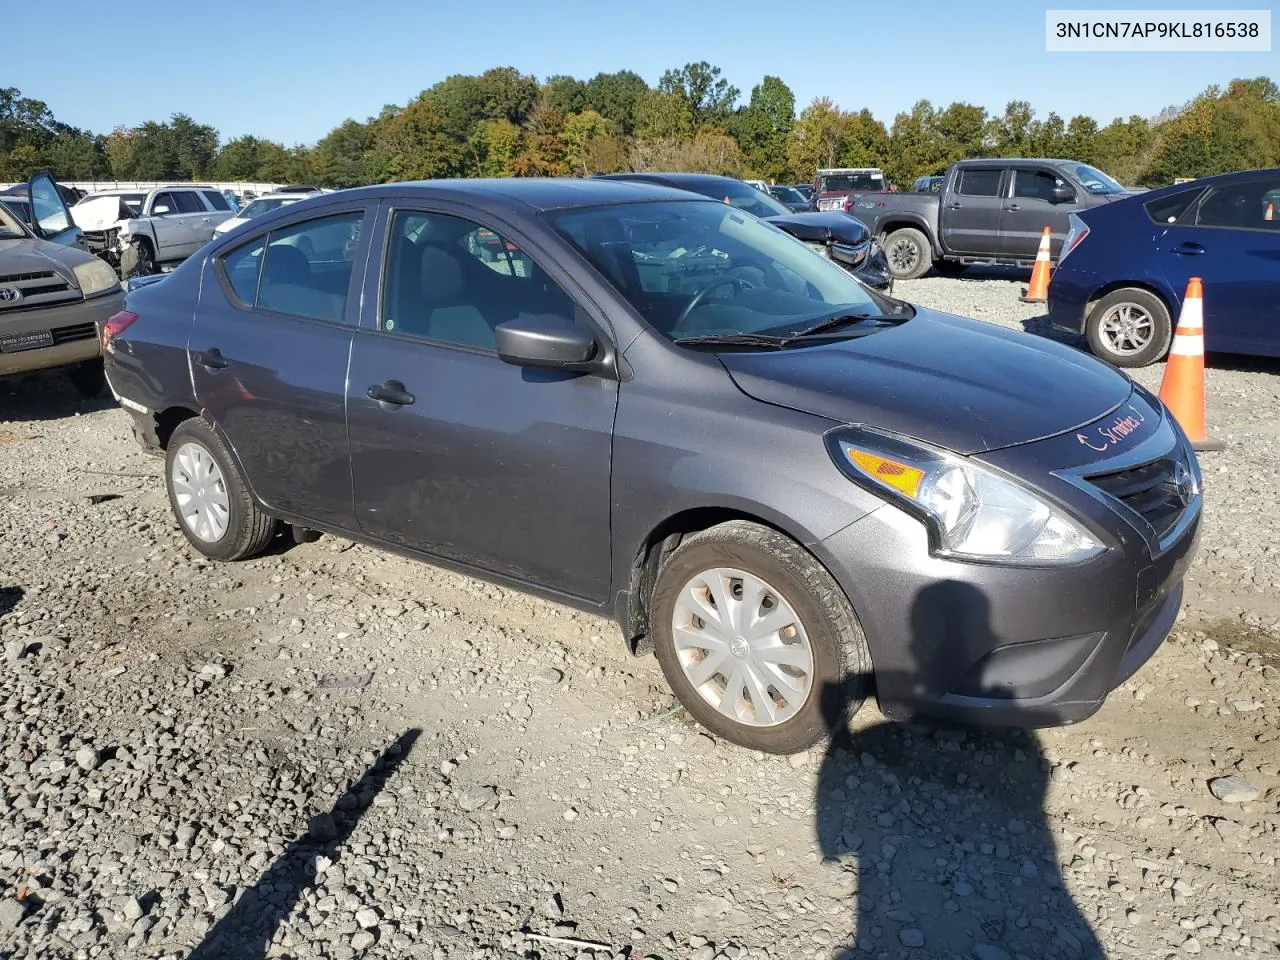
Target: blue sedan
x,y
1125,266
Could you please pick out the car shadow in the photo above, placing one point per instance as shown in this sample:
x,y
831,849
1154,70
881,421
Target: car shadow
x,y
10,597
941,832
246,931
46,395
982,271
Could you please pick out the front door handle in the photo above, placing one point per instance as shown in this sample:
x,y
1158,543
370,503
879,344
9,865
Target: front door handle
x,y
392,392
212,359
954,206
1013,206
1188,248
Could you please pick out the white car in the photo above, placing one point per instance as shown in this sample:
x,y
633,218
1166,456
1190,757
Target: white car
x,y
257,208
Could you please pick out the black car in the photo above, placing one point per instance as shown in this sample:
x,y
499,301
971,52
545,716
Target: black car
x,y
791,198
804,189
832,233
644,403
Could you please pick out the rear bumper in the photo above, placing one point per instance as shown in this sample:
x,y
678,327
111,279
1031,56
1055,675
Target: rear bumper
x,y
74,328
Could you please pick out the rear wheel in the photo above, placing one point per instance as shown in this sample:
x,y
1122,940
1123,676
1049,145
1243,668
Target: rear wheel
x,y
908,252
1129,328
757,640
88,378
210,498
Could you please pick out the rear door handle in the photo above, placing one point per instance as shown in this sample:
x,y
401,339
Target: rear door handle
x,y
392,392
212,359
954,206
1188,248
1013,206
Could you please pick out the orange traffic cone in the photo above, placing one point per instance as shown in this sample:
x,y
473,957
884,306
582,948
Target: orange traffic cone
x,y
1182,389
1038,292
1271,212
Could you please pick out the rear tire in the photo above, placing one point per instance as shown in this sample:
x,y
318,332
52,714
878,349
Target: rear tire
x,y
908,252
1140,312
88,378
788,702
210,498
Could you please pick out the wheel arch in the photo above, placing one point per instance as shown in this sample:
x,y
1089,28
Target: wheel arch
x,y
1152,287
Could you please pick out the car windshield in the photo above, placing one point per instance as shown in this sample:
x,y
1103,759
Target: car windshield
x,y
259,207
133,201
740,195
840,182
1094,180
692,268
787,195
10,227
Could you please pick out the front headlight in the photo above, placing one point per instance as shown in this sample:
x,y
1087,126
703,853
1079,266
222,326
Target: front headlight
x,y
96,277
974,513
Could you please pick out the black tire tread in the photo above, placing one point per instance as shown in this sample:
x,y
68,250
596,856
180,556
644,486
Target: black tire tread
x,y
926,252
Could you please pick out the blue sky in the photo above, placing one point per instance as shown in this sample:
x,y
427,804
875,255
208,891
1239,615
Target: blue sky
x,y
292,71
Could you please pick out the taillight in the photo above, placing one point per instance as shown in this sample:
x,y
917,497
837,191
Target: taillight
x,y
1076,233
848,204
116,325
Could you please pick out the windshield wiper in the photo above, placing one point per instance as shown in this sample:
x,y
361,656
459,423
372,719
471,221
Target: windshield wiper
x,y
833,323
732,340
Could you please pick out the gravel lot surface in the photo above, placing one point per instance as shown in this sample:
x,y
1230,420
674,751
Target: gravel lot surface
x,y
332,752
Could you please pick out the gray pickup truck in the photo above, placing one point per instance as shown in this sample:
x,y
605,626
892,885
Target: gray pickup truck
x,y
986,211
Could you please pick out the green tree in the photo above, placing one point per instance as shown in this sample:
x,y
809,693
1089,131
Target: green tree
x,y
459,102
1010,134
498,144
663,116
961,129
580,129
193,147
1080,142
817,138
414,144
708,96
340,158
616,96
917,148
239,159
1048,136
565,94
764,127
866,142
507,94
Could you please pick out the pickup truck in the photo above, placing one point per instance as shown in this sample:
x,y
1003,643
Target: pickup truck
x,y
985,211
138,232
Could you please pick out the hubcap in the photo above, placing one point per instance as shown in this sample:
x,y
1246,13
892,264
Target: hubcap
x,y
200,492
903,255
742,647
1127,328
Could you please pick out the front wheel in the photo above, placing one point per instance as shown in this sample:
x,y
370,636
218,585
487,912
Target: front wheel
x,y
1129,328
757,640
908,252
210,497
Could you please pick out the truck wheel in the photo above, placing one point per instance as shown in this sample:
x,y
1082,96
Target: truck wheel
x,y
88,378
1129,328
908,253
757,640
138,260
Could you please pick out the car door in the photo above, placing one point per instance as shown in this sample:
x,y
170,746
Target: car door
x,y
455,452
172,241
971,211
1029,207
1227,241
196,219
219,209
269,352
49,215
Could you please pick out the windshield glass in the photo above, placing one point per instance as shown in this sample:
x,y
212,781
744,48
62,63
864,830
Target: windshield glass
x,y
840,182
259,207
1094,180
787,195
131,200
692,268
740,195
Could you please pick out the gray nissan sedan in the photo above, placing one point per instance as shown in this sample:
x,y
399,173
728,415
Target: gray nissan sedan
x,y
794,491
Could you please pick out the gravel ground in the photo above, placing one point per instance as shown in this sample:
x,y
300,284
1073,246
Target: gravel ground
x,y
332,752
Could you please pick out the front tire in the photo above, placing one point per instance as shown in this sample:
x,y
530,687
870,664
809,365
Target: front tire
x,y
1131,327
138,260
908,252
210,498
757,640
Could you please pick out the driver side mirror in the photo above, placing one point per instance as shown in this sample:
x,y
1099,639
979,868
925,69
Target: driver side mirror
x,y
160,209
1063,195
544,340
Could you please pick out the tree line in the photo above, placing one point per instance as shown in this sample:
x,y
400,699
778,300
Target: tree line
x,y
506,123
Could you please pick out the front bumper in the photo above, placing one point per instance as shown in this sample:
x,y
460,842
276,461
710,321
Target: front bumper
x,y
1002,645
72,327
870,267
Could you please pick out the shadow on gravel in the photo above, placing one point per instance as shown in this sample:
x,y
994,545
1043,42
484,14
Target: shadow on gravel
x,y
944,829
246,932
9,598
1039,325
47,395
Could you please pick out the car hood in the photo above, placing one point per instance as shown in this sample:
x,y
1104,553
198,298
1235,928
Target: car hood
x,y
820,227
25,255
965,385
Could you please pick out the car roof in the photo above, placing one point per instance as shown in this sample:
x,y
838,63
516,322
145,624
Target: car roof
x,y
535,194
705,179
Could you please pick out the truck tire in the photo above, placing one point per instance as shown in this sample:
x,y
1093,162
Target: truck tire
x,y
908,253
138,260
1130,327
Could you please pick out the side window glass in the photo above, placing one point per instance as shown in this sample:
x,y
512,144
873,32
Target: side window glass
x,y
979,182
1034,185
450,280
188,202
216,200
163,204
1247,205
48,209
241,267
307,268
1169,209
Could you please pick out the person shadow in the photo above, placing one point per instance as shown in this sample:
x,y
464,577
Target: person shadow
x,y
941,830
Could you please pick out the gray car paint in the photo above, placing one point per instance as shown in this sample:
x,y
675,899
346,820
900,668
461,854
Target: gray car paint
x,y
522,492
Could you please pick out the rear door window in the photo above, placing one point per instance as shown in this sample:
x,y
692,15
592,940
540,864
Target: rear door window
x,y
215,199
979,182
1241,205
188,201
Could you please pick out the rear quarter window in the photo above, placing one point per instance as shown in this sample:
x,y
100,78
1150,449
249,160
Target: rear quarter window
x,y
216,200
1170,208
